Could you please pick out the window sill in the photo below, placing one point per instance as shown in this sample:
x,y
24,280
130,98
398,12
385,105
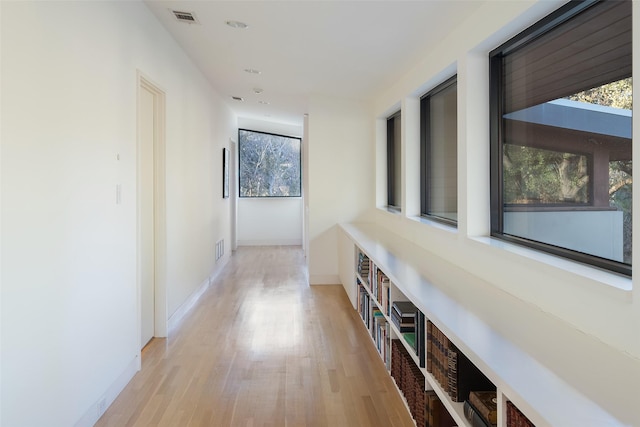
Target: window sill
x,y
270,198
435,224
391,209
604,277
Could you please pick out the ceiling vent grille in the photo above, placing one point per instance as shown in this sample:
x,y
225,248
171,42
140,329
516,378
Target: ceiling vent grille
x,y
188,17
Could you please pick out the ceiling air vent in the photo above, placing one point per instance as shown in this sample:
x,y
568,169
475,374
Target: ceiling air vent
x,y
188,17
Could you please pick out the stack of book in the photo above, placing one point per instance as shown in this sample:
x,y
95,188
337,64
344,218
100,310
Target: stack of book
x,y
364,266
380,334
403,315
396,361
381,290
411,324
515,418
410,380
482,409
364,304
451,368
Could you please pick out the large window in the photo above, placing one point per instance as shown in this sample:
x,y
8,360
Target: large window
x,y
439,153
394,162
561,172
269,164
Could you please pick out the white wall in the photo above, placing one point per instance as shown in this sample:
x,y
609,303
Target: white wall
x,y
69,292
341,180
270,221
597,303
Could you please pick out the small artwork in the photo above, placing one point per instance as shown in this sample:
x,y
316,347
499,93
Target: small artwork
x,y
225,173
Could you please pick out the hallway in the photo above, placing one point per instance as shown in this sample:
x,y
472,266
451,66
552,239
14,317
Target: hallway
x,y
261,348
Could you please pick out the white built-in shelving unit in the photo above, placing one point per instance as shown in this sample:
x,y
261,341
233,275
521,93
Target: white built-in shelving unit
x,y
541,392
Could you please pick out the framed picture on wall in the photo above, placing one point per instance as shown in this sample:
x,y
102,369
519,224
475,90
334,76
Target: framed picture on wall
x,y
225,173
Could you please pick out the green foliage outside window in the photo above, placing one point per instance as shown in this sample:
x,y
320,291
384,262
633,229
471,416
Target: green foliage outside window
x,y
534,176
537,176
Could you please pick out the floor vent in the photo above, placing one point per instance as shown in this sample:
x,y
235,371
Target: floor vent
x,y
219,249
188,17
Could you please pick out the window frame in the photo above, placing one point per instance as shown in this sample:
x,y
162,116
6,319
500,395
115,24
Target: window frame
x,y
425,149
392,197
240,162
496,111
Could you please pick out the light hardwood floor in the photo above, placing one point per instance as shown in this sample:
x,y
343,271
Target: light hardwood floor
x,y
262,348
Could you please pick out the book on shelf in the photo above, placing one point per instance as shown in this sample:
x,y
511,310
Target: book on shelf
x,y
437,346
463,376
396,360
472,415
410,338
364,305
378,320
403,315
404,308
431,416
402,326
420,338
436,414
429,345
410,380
486,404
364,266
382,290
380,334
455,373
515,418
387,354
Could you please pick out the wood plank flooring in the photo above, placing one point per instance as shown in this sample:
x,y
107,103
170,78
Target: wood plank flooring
x,y
262,348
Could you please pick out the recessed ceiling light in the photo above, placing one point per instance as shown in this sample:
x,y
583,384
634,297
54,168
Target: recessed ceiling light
x,y
264,102
237,98
257,90
237,24
252,71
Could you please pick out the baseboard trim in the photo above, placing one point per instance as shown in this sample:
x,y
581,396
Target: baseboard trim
x,y
95,411
324,279
269,242
191,301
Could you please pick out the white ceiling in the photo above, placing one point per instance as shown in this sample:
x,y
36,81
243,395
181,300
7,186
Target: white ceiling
x,y
351,49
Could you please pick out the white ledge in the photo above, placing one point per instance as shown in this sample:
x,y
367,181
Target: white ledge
x,y
606,278
435,224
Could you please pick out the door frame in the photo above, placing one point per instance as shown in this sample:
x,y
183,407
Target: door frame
x,y
159,208
233,192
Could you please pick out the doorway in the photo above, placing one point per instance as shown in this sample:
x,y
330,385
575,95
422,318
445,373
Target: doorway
x,y
151,211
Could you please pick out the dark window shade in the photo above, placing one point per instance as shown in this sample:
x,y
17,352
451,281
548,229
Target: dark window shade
x,y
394,171
390,163
584,53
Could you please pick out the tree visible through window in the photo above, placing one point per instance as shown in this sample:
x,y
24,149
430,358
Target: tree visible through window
x,y
562,172
269,165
